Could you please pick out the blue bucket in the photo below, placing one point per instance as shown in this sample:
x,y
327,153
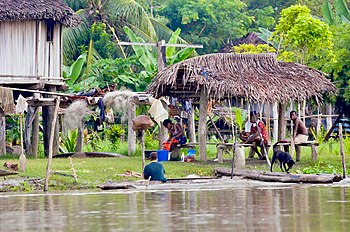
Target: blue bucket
x,y
162,155
191,152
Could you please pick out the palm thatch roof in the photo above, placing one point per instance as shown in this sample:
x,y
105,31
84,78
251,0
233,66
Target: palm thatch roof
x,y
258,77
16,10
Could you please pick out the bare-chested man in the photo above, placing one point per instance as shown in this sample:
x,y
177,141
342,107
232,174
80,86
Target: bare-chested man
x,y
300,134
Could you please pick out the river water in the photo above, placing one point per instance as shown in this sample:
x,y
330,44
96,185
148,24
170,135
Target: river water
x,y
232,208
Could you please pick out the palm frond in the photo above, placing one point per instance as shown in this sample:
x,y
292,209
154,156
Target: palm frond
x,y
131,12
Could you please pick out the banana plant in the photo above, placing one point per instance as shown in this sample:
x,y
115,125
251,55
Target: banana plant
x,y
148,57
342,13
73,72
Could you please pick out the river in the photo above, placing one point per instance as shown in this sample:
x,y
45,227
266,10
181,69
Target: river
x,y
232,208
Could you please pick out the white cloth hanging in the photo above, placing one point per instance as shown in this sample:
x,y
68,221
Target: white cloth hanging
x,y
157,110
21,105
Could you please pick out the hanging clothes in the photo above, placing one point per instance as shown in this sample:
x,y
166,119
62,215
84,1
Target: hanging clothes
x,y
157,110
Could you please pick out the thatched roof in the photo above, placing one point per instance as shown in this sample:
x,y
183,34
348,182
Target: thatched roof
x,y
16,10
258,77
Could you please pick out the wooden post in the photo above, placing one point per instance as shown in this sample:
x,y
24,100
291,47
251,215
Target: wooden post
x,y
202,126
275,122
143,148
2,133
304,111
80,136
268,124
281,123
319,120
48,115
191,126
342,149
35,131
161,52
329,117
51,144
131,132
28,131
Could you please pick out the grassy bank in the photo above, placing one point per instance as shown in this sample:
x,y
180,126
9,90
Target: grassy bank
x,y
94,171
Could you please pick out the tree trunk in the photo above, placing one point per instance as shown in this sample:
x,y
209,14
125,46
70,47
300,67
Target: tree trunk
x,y
280,177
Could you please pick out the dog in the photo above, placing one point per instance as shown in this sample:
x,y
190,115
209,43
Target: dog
x,y
283,158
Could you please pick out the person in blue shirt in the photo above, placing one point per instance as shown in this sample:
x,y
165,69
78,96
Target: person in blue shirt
x,y
154,170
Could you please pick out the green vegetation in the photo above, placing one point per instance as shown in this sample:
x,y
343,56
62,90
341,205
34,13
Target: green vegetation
x,y
95,171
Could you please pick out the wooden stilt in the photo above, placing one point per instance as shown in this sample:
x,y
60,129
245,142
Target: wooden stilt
x,y
35,131
48,115
51,144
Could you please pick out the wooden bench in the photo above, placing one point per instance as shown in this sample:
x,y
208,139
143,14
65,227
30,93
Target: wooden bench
x,y
312,144
222,147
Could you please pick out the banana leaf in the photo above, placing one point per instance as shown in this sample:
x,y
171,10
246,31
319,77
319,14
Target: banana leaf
x,y
173,40
342,9
327,12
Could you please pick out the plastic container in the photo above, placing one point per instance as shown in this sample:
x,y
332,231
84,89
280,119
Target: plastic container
x,y
191,152
162,155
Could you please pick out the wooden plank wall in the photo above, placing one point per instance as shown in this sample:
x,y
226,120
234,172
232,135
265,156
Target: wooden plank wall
x,y
25,51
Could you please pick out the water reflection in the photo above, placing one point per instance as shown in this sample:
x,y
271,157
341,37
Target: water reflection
x,y
297,208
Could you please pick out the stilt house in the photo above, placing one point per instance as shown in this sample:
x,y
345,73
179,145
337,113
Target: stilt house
x,y
31,53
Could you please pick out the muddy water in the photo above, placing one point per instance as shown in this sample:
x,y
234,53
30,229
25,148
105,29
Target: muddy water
x,y
291,208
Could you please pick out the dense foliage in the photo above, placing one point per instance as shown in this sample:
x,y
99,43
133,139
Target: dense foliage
x,y
312,32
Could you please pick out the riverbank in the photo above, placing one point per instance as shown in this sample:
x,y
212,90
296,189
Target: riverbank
x,y
92,172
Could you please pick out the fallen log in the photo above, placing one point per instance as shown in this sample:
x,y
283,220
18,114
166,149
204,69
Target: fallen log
x,y
280,177
88,155
7,173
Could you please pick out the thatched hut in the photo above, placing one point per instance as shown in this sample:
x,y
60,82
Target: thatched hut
x,y
31,52
256,78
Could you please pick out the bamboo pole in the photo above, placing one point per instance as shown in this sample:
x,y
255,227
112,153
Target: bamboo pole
x,y
52,135
22,158
342,149
73,169
275,122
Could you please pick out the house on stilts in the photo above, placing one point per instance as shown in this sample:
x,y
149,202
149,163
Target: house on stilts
x,y
31,52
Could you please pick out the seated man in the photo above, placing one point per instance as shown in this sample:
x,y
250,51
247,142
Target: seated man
x,y
154,170
300,134
176,135
251,134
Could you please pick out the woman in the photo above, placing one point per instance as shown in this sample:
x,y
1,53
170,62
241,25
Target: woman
x,y
176,135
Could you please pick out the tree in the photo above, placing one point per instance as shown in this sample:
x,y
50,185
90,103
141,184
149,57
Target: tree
x,y
210,23
304,36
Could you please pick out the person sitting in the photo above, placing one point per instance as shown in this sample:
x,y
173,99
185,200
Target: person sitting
x,y
300,133
154,170
176,135
251,134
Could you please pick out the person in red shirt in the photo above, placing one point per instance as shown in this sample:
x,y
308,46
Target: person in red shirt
x,y
253,137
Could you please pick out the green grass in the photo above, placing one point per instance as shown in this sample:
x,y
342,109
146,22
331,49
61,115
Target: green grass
x,y
94,171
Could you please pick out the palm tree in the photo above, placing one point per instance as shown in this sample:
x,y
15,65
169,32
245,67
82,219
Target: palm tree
x,y
115,14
